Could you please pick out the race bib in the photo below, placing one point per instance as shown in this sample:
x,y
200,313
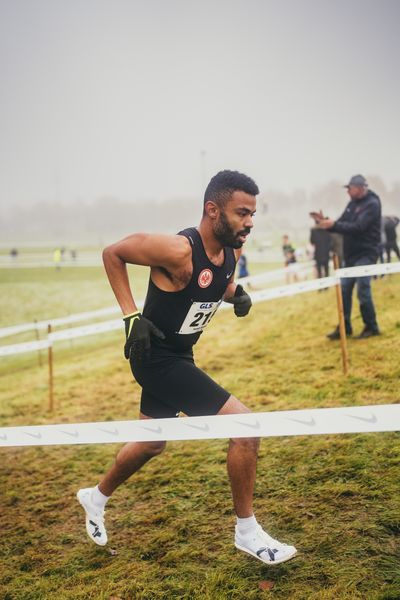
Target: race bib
x,y
198,316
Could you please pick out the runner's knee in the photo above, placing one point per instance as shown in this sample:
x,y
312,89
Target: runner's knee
x,y
153,448
246,444
146,449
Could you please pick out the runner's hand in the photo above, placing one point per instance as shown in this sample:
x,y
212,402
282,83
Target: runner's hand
x,y
241,302
138,332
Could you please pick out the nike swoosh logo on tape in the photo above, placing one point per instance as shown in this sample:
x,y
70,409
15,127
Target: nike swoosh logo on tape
x,y
154,430
372,419
3,436
310,422
111,432
255,425
71,433
35,435
204,427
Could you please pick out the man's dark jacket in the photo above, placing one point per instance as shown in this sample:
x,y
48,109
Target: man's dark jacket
x,y
360,225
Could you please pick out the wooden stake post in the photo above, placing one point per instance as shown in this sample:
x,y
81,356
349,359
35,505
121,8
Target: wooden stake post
x,y
50,355
342,326
38,338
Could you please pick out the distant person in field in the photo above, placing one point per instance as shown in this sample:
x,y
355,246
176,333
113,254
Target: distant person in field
x,y
360,225
57,258
14,254
190,274
321,241
390,223
289,254
243,270
242,267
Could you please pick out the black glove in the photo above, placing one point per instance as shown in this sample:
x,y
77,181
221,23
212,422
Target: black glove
x,y
241,302
138,332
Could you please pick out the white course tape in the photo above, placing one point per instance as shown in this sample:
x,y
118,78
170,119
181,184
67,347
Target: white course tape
x,y
24,347
48,263
257,296
317,421
94,314
68,334
380,269
268,276
84,316
115,324
293,289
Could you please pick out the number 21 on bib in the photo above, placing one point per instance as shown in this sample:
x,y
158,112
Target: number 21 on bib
x,y
198,316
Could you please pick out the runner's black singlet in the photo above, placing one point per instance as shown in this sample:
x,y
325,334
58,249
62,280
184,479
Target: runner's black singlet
x,y
183,315
171,382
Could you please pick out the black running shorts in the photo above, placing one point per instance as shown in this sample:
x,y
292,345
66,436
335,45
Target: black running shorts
x,y
171,383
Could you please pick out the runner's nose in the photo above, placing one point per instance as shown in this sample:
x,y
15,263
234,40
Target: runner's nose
x,y
248,222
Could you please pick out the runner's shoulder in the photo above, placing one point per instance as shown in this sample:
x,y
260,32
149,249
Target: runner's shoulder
x,y
177,249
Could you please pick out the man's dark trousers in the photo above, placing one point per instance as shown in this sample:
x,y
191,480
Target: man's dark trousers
x,y
364,294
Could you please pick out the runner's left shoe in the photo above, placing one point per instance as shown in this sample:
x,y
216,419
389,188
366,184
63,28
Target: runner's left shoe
x,y
261,545
94,517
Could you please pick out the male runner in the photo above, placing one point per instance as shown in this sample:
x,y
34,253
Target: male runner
x,y
190,274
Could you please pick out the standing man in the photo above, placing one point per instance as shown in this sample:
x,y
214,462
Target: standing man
x,y
190,274
360,225
321,240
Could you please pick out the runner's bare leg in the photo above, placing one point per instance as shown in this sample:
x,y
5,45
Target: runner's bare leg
x,y
129,459
241,463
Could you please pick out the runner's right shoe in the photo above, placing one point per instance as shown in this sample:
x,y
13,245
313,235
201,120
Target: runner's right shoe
x,y
261,545
94,517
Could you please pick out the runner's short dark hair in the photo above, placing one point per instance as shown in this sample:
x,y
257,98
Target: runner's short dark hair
x,y
224,183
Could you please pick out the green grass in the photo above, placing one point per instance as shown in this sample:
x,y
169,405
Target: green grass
x,y
170,527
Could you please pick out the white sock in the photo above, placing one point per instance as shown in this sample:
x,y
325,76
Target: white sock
x,y
246,525
98,498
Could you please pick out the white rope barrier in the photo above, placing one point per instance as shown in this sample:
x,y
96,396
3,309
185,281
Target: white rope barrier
x,y
316,421
256,296
39,325
365,270
292,289
265,277
104,326
24,347
48,264
115,324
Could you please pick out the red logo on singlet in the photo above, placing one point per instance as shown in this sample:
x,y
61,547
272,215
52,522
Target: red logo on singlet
x,y
205,278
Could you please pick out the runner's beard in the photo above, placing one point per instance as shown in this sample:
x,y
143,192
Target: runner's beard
x,y
226,235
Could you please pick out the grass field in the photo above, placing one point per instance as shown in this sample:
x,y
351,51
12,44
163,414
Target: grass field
x,y
171,526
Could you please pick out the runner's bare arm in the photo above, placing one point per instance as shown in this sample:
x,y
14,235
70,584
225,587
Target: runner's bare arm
x,y
152,250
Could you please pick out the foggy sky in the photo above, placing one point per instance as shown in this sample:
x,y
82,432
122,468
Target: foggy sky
x,y
149,99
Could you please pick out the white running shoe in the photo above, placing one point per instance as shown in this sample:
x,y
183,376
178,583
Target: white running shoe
x,y
262,546
94,517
